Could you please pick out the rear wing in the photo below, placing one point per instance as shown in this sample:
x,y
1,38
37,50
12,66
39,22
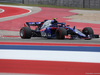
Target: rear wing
x,y
28,24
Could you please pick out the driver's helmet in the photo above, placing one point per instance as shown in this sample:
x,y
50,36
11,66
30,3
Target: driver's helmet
x,y
54,18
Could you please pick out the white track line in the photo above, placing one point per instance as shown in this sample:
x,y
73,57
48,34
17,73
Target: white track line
x,y
23,7
32,10
66,56
2,10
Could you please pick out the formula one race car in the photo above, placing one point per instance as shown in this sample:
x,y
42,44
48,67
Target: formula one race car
x,y
52,29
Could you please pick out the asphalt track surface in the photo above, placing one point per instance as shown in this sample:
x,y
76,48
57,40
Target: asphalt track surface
x,y
45,40
15,36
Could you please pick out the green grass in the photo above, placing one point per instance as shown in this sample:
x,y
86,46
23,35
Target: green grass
x,y
51,6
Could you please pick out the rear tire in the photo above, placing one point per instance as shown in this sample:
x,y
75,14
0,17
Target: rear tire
x,y
88,31
25,33
60,33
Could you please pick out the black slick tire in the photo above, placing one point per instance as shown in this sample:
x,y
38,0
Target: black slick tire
x,y
60,33
88,31
25,33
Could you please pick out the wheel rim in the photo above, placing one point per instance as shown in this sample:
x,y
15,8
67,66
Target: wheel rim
x,y
21,33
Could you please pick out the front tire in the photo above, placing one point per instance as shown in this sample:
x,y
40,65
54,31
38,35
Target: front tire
x,y
88,31
60,33
25,33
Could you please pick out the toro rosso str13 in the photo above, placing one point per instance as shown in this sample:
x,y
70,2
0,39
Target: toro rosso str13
x,y
54,29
